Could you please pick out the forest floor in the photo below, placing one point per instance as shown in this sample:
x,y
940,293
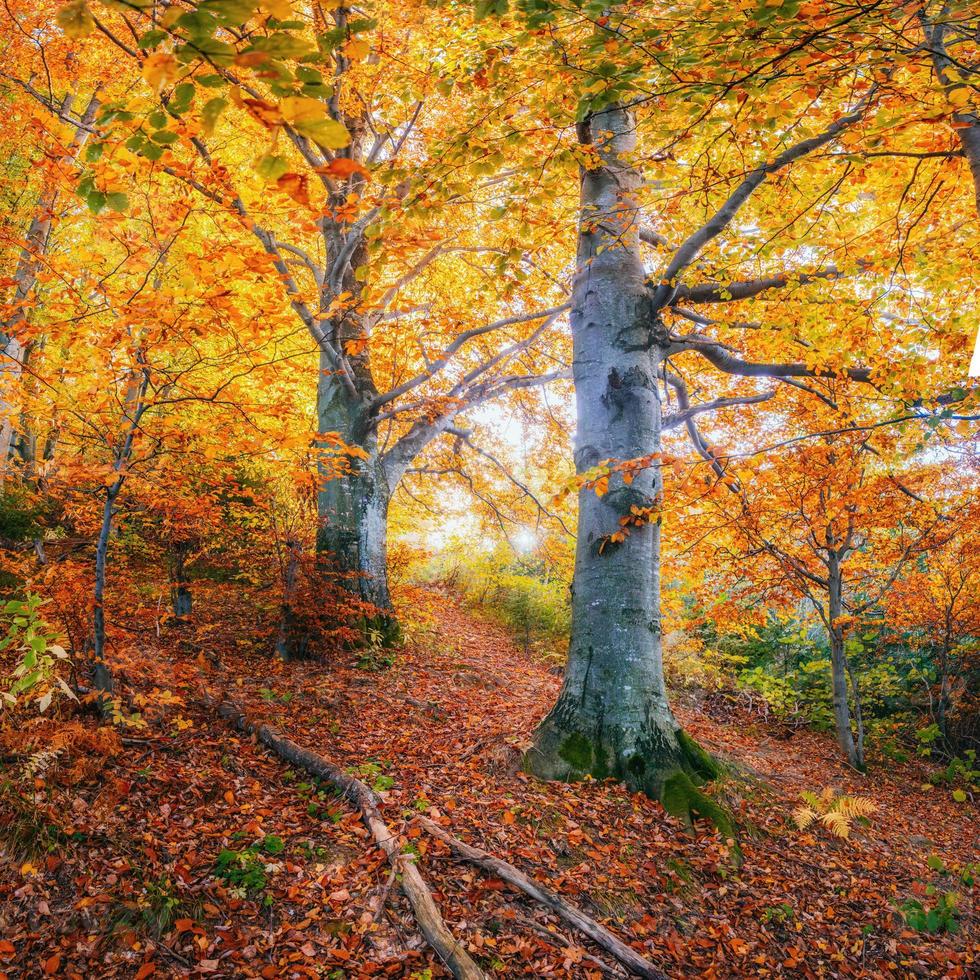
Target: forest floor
x,y
114,870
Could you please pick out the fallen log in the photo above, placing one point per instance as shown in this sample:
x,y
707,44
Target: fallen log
x,y
599,934
449,949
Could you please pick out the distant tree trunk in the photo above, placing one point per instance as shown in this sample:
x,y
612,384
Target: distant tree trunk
x,y
839,664
942,709
291,643
25,277
136,407
101,676
612,717
180,593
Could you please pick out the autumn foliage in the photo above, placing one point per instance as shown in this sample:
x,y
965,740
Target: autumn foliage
x,y
548,419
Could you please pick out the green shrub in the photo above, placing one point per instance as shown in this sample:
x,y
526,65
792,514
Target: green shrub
x,y
940,917
523,593
20,514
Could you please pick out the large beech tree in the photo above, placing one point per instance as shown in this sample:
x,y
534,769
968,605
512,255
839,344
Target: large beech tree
x,y
352,157
643,339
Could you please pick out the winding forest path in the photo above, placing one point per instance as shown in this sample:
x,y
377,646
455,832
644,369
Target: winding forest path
x,y
440,732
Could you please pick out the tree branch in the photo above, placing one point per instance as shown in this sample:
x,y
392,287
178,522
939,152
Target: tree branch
x,y
720,220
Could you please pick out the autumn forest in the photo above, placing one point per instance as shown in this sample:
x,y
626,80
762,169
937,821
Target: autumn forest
x,y
489,488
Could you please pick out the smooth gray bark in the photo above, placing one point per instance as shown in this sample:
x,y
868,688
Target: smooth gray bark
x,y
352,508
180,594
612,717
839,666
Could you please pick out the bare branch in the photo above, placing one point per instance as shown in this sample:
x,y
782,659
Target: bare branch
x,y
720,220
746,289
682,417
726,362
463,338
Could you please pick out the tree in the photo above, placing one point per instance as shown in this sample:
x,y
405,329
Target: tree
x,y
353,159
831,524
16,348
612,717
950,30
936,608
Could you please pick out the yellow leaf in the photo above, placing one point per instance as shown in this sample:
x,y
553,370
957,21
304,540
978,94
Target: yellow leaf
x,y
309,117
159,69
960,97
280,9
357,49
300,109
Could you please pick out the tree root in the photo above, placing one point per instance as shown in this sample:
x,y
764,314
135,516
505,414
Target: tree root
x,y
626,955
449,949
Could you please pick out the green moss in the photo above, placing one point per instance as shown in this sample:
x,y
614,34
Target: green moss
x,y
576,750
682,799
698,760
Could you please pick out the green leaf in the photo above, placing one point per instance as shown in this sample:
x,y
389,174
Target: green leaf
x,y
216,52
328,133
95,201
165,137
152,38
117,201
210,112
182,98
282,45
230,13
212,81
959,795
271,167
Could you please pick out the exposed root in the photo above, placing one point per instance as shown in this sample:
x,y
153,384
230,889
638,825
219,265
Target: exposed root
x,y
449,949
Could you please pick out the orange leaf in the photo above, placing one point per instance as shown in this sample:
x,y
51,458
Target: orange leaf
x,y
297,187
265,112
343,168
146,970
52,965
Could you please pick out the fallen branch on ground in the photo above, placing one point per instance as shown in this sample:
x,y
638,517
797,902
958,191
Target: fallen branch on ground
x,y
575,917
449,949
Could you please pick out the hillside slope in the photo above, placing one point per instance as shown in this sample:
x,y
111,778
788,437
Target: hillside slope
x,y
115,870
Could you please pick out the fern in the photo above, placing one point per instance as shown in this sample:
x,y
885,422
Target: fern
x,y
836,813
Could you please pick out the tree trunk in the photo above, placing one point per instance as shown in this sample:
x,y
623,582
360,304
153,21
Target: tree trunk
x,y
839,665
25,277
955,76
352,509
180,593
612,717
291,643
101,676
